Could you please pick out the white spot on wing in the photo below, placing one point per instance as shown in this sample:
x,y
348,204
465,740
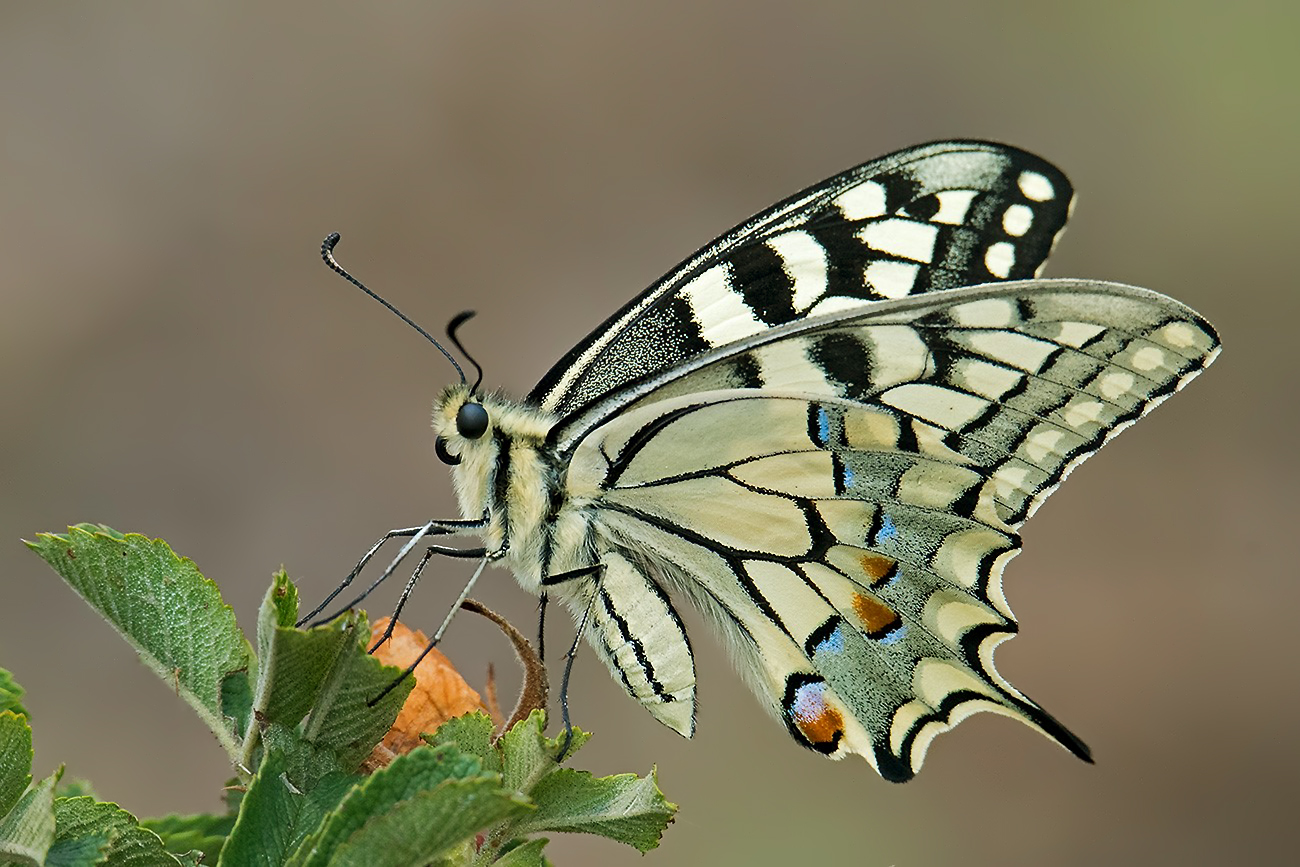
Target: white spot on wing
x,y
953,205
1115,384
723,316
862,202
1081,412
1017,219
804,261
1076,334
981,377
786,365
1036,187
905,239
985,313
898,354
999,258
1043,442
1148,358
1179,334
1018,350
944,406
891,279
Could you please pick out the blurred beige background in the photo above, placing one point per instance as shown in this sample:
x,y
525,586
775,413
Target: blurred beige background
x,y
175,360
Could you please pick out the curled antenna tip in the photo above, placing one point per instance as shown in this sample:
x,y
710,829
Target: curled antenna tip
x,y
456,322
327,253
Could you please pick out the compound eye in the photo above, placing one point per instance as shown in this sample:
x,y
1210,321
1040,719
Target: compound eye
x,y
440,446
471,421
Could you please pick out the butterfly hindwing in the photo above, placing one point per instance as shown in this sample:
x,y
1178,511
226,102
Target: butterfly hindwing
x,y
635,630
848,535
928,218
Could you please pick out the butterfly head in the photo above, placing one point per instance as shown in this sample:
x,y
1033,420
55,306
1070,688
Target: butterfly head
x,y
461,425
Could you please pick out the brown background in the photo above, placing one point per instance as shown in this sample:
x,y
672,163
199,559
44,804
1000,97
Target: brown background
x,y
175,360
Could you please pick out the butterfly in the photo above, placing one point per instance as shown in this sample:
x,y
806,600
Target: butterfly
x,y
824,430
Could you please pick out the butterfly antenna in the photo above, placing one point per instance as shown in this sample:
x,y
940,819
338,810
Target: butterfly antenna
x,y
456,322
327,253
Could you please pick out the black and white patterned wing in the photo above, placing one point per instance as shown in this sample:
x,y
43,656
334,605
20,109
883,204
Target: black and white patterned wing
x,y
931,217
847,524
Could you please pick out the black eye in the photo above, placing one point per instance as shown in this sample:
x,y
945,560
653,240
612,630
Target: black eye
x,y
440,446
471,421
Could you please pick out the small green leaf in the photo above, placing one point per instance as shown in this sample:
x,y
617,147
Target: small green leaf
x,y
625,807
576,742
11,694
90,832
428,824
407,776
527,855
341,718
15,759
291,663
275,815
27,832
202,832
470,734
163,606
528,755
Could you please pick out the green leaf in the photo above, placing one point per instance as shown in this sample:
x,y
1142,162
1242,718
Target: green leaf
x,y
428,824
625,807
341,718
15,759
406,777
528,755
275,815
292,663
471,734
11,694
202,832
90,832
527,855
163,606
27,832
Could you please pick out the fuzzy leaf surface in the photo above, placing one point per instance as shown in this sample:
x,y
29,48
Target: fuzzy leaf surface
x,y
414,774
624,807
15,759
89,832
27,832
164,607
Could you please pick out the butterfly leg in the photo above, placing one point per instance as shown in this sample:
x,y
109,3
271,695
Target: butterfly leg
x,y
415,577
598,570
450,527
437,636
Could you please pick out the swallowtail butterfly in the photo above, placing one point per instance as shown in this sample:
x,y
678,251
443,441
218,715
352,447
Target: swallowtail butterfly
x,y
824,429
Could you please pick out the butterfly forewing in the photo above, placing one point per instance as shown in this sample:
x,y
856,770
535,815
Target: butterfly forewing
x,y
929,218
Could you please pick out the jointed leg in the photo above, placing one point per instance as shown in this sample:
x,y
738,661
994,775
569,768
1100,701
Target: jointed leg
x,y
437,636
599,571
416,533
